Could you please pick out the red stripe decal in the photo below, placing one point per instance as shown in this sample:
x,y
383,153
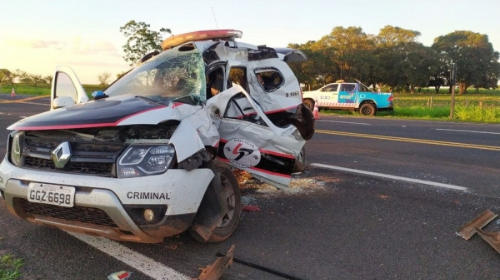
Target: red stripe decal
x,y
138,113
235,151
88,125
276,153
267,112
264,151
260,170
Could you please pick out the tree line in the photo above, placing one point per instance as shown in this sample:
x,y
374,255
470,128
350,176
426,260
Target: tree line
x,y
394,58
9,78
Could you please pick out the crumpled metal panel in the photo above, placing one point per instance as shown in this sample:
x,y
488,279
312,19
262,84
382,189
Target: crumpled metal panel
x,y
215,271
468,230
493,238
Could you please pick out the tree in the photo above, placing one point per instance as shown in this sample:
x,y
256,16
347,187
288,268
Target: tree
x,y
476,60
317,69
103,79
6,77
391,36
346,45
48,79
392,51
141,40
419,64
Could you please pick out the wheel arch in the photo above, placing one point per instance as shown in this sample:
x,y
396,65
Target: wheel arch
x,y
367,101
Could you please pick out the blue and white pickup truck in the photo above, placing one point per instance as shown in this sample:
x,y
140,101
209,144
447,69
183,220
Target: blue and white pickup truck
x,y
349,96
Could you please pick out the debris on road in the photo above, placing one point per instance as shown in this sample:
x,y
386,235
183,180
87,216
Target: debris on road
x,y
261,268
476,226
468,230
215,271
493,238
298,185
120,275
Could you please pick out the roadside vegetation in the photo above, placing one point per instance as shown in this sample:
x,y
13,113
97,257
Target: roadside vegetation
x,y
43,89
483,106
10,267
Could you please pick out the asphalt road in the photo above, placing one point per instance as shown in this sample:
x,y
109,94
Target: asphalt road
x,y
337,225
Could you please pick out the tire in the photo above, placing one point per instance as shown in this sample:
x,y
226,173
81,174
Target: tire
x,y
231,218
300,162
367,109
309,104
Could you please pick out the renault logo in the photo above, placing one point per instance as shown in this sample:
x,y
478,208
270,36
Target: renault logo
x,y
61,155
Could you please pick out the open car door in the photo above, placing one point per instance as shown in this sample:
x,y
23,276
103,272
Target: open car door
x,y
250,141
66,89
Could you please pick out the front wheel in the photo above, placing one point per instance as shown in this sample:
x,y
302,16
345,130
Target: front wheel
x,y
231,195
367,109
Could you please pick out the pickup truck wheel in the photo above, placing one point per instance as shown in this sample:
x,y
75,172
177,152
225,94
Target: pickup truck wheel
x,y
230,219
300,162
367,109
309,104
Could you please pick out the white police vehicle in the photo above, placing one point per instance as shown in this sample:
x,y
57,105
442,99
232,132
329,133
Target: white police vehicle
x,y
149,157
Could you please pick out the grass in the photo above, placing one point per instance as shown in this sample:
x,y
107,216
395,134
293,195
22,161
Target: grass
x,y
10,267
41,89
471,113
483,106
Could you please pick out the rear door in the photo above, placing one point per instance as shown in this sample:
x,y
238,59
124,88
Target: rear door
x,y
250,141
66,89
347,95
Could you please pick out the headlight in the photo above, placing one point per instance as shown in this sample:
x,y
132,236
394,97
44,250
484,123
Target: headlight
x,y
16,149
145,160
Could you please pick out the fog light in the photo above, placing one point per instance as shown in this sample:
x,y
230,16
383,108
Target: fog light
x,y
149,215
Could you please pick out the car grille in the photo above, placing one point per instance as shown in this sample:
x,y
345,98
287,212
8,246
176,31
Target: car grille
x,y
78,214
92,158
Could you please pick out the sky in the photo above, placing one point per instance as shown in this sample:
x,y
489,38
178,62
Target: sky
x,y
38,35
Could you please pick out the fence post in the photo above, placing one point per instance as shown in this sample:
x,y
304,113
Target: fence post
x,y
481,105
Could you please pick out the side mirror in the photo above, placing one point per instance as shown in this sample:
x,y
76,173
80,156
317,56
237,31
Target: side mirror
x,y
63,101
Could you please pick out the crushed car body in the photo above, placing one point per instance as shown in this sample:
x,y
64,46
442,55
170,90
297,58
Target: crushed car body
x,y
152,155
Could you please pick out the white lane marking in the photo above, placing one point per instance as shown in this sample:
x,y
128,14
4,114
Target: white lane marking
x,y
469,131
138,261
410,180
344,122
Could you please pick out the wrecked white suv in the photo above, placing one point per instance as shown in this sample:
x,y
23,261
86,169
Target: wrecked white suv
x,y
150,156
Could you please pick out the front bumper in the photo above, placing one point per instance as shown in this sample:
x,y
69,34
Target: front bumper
x,y
100,203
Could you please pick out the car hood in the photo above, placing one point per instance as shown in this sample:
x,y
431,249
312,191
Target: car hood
x,y
104,112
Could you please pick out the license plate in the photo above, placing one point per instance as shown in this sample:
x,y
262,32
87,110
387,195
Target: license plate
x,y
51,194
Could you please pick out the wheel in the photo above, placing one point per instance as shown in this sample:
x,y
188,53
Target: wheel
x,y
367,109
300,162
309,104
230,191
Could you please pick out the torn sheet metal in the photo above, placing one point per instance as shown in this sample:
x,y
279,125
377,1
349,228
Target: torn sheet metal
x,y
493,238
468,230
215,271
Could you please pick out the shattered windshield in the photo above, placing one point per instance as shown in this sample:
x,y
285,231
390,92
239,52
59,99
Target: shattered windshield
x,y
173,75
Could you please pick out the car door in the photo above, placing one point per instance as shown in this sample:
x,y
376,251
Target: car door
x,y
250,141
328,96
347,95
66,89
